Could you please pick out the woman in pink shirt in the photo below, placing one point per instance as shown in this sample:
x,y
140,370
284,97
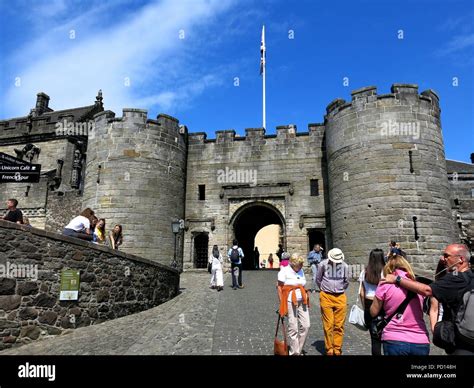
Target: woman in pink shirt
x,y
405,334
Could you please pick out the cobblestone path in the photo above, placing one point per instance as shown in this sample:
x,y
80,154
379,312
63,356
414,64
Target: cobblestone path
x,y
201,321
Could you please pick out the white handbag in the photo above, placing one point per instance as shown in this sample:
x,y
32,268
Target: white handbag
x,y
356,316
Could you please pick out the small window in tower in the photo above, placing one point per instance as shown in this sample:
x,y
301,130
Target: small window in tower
x,y
202,192
314,184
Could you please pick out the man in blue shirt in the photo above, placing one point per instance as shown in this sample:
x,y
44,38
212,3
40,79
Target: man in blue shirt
x,y
314,258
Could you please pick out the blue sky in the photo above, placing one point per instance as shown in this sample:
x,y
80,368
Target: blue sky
x,y
184,57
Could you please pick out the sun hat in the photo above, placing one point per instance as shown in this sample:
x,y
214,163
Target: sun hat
x,y
336,255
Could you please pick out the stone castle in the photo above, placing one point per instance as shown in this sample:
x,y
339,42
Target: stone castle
x,y
374,170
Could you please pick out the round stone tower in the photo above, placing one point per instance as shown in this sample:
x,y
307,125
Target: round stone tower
x,y
135,176
387,174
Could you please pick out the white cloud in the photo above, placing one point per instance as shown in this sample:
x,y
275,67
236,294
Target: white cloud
x,y
458,43
168,101
451,23
143,48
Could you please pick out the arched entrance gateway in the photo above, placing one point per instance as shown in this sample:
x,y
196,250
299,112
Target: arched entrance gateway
x,y
248,220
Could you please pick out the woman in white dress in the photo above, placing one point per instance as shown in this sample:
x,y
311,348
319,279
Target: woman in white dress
x,y
217,278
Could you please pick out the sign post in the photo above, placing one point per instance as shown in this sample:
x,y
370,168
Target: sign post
x,y
69,284
14,170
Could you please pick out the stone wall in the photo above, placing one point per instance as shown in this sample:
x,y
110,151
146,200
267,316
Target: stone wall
x,y
284,165
62,207
112,284
462,194
135,176
386,165
33,206
34,198
51,151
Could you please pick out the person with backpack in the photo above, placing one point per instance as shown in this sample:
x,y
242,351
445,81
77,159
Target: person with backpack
x,y
404,331
236,255
454,291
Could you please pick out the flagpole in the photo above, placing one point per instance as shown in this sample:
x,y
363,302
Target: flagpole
x,y
264,116
264,102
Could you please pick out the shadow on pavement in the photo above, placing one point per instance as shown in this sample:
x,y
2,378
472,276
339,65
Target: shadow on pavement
x,y
319,346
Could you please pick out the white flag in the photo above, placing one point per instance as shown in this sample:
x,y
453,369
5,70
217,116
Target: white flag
x,y
262,51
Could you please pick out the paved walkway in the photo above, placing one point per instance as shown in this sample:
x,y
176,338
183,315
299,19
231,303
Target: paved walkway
x,y
200,321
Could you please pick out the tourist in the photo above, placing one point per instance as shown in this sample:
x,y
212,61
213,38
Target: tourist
x,y
94,222
369,279
80,226
280,251
285,258
447,290
294,302
256,258
405,334
26,222
270,260
394,248
332,280
99,232
235,255
435,309
13,214
216,260
115,237
314,258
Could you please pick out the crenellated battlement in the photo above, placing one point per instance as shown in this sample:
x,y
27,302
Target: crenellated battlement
x,y
283,132
361,99
400,94
133,118
255,133
364,92
225,136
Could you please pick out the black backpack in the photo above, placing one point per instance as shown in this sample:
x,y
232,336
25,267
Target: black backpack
x,y
234,255
464,319
461,325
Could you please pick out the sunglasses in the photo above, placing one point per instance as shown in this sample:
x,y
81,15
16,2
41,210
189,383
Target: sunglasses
x,y
446,255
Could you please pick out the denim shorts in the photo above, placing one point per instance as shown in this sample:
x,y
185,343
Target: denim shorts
x,y
399,348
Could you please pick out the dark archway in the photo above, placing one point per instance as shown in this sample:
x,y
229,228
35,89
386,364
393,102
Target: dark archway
x,y
248,220
201,250
316,236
